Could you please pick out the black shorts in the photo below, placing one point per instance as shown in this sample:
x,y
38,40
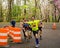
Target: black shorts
x,y
30,29
35,32
40,28
26,28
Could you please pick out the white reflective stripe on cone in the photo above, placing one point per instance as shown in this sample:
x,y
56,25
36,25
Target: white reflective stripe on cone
x,y
3,34
17,32
17,37
3,40
8,32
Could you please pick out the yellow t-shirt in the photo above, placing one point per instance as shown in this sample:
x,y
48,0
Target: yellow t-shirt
x,y
34,24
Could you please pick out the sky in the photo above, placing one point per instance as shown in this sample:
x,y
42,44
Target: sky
x,y
15,1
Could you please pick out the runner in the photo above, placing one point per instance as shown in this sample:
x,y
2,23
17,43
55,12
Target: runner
x,y
40,30
34,26
26,30
23,28
13,23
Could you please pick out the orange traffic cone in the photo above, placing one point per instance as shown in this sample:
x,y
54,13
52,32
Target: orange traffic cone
x,y
54,26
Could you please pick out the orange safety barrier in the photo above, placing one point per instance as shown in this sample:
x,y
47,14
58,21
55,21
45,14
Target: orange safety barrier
x,y
16,34
10,31
9,28
3,37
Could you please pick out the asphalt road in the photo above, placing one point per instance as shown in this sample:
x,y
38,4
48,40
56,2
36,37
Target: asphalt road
x,y
51,38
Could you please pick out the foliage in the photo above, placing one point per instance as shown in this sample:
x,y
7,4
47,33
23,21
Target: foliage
x,y
16,10
31,7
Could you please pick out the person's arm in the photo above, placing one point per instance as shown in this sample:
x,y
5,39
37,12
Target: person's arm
x,y
28,22
44,19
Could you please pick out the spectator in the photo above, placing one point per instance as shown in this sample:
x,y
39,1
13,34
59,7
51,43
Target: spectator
x,y
13,22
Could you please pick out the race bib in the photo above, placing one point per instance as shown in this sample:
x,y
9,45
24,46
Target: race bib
x,y
34,24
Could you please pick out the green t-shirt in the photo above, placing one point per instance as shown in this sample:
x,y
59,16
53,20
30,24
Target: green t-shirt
x,y
34,24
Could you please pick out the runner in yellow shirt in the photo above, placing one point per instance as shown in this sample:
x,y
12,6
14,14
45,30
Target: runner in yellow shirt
x,y
34,27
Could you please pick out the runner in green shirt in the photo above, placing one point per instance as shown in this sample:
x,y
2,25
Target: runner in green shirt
x,y
34,26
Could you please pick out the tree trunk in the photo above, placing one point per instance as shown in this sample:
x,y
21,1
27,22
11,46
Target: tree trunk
x,y
59,13
1,10
55,13
56,7
12,4
40,12
48,16
25,8
9,10
35,8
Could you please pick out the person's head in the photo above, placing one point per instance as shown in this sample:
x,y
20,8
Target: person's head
x,y
24,20
32,17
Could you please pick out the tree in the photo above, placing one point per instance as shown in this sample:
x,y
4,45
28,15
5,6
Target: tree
x,y
35,7
25,8
0,10
18,2
9,9
55,3
16,11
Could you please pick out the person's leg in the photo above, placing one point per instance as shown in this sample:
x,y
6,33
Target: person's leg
x,y
40,32
24,34
27,36
40,35
36,38
30,34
